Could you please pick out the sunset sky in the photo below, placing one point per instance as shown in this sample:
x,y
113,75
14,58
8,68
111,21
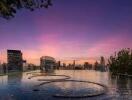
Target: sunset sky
x,y
70,29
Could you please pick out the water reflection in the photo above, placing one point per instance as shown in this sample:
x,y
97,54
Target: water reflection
x,y
74,88
124,87
3,81
15,78
17,86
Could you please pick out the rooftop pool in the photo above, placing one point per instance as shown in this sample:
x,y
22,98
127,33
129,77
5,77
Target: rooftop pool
x,y
65,85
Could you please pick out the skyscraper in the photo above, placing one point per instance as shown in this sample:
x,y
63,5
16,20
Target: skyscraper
x,y
15,60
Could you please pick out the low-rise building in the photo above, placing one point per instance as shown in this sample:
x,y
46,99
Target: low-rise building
x,y
47,63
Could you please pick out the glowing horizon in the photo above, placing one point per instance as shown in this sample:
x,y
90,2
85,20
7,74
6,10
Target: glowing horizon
x,y
85,29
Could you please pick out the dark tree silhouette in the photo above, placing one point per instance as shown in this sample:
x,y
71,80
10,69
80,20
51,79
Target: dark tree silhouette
x,y
121,62
8,8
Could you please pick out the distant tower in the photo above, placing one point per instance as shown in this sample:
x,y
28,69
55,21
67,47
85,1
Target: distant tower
x,y
102,61
96,64
58,64
74,63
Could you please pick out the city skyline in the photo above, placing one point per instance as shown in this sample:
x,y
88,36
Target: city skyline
x,y
85,29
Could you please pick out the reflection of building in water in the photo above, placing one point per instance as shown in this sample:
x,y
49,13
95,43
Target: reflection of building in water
x,y
47,63
15,61
15,78
25,65
3,80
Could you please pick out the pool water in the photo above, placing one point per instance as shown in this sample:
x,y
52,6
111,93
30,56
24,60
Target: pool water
x,y
19,87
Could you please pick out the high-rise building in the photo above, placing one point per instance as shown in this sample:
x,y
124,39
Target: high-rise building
x,y
14,60
47,63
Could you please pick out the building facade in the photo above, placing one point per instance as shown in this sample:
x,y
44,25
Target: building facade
x,y
14,60
47,63
1,68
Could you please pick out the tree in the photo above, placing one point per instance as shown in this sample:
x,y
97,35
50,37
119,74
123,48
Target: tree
x,y
87,65
8,8
121,62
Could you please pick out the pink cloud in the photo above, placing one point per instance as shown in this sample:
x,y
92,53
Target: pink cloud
x,y
108,46
50,44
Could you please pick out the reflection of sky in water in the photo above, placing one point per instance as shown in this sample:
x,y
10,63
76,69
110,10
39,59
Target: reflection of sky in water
x,y
19,87
87,75
72,88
